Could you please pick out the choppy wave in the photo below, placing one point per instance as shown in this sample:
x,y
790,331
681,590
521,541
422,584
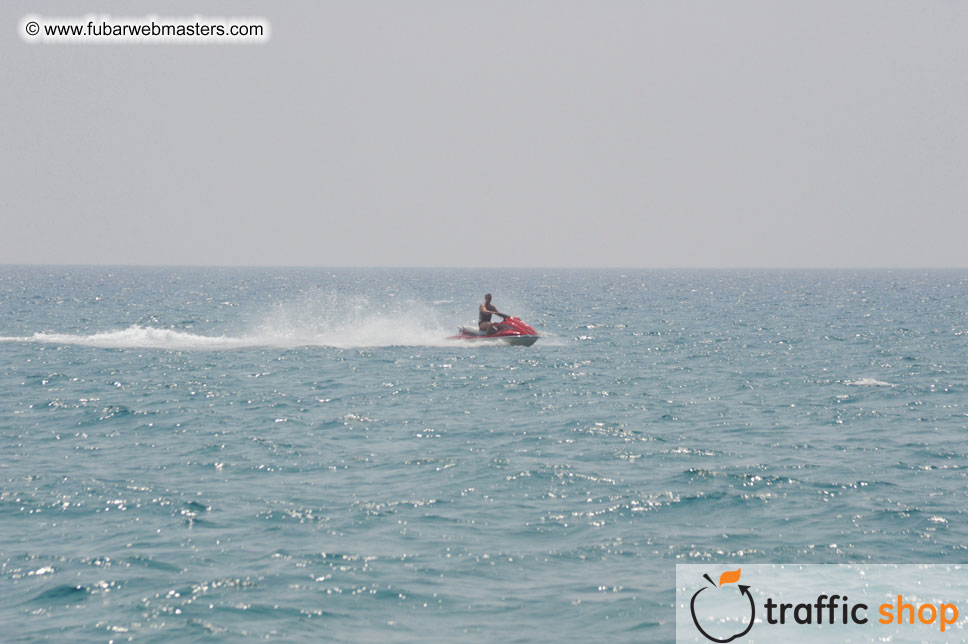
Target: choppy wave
x,y
868,382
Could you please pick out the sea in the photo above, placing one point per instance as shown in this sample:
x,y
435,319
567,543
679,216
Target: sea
x,y
302,455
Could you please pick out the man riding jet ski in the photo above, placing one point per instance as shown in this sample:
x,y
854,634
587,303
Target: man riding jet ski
x,y
511,331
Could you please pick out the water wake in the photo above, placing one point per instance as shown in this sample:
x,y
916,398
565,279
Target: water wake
x,y
289,325
378,333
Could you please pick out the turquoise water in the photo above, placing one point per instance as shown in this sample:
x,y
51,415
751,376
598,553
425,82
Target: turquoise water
x,y
300,455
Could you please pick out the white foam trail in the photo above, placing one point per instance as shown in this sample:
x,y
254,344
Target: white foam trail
x,y
377,333
137,337
868,382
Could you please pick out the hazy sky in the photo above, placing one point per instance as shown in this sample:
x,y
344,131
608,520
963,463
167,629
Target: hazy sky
x,y
524,133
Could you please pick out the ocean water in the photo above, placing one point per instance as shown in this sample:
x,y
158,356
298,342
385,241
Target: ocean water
x,y
299,455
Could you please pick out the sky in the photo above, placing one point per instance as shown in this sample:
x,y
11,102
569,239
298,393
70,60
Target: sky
x,y
544,133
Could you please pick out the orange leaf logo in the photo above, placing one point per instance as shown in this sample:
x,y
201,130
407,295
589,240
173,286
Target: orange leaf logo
x,y
729,577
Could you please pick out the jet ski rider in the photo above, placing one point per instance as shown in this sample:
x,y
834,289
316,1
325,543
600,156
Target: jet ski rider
x,y
484,319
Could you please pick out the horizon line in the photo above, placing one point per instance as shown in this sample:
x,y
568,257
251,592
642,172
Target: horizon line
x,y
482,268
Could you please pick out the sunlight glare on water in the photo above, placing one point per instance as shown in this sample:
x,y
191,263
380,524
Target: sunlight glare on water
x,y
297,454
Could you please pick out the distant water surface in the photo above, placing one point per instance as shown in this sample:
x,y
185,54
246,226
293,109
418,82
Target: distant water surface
x,y
300,455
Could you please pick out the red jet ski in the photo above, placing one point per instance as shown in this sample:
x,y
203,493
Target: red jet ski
x,y
511,331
